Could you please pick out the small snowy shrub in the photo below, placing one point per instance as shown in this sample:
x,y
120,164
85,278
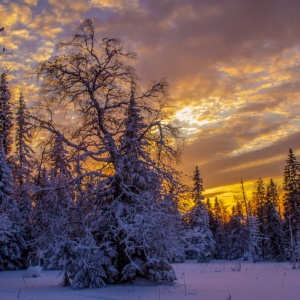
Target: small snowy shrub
x,y
33,271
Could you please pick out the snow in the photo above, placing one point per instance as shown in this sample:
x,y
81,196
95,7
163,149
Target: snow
x,y
33,272
214,281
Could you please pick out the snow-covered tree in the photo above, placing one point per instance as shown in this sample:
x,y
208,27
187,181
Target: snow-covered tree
x,y
120,131
259,199
259,211
11,241
291,186
273,228
22,165
198,236
237,233
6,115
197,189
53,207
218,230
254,239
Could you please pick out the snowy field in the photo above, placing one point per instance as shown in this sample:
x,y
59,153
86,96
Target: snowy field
x,y
212,281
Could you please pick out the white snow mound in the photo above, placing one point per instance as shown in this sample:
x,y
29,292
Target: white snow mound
x,y
32,272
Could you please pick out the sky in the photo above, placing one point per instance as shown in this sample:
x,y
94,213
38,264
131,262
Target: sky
x,y
233,68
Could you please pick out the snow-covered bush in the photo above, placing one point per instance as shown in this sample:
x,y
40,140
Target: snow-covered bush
x,y
33,271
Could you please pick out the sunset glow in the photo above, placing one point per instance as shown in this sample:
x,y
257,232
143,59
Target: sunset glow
x,y
233,69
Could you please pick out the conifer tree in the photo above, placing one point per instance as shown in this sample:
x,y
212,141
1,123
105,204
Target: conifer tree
x,y
218,231
11,241
259,199
6,115
254,239
291,186
22,165
237,233
210,211
197,186
199,239
259,211
273,229
53,208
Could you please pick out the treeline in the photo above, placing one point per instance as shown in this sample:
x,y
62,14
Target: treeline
x,y
101,197
256,229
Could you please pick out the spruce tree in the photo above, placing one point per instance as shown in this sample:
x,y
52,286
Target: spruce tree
x,y
218,231
259,211
273,229
133,225
11,240
22,165
254,239
259,200
199,239
237,233
6,116
53,208
197,189
291,186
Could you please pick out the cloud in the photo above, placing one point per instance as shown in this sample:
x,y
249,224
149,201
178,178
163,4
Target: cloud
x,y
22,13
69,5
31,2
115,4
23,34
233,68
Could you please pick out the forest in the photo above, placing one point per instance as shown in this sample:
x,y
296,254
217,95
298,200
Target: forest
x,y
88,179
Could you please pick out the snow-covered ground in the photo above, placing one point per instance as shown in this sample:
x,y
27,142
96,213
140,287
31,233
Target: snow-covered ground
x,y
213,281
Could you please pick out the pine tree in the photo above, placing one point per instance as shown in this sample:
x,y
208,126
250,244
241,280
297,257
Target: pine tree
x,y
134,222
259,199
11,241
59,159
259,211
291,186
53,209
199,239
218,231
237,233
254,239
197,187
273,229
22,166
6,115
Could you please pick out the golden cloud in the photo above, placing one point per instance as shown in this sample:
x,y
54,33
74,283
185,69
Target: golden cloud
x,y
31,2
23,34
44,52
70,5
22,12
115,4
7,18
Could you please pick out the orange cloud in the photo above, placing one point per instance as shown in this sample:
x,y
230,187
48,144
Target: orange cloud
x,y
31,2
115,4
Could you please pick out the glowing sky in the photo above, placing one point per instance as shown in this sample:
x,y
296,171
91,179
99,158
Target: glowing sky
x,y
233,68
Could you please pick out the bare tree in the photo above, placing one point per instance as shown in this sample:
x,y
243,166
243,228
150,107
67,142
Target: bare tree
x,y
92,83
